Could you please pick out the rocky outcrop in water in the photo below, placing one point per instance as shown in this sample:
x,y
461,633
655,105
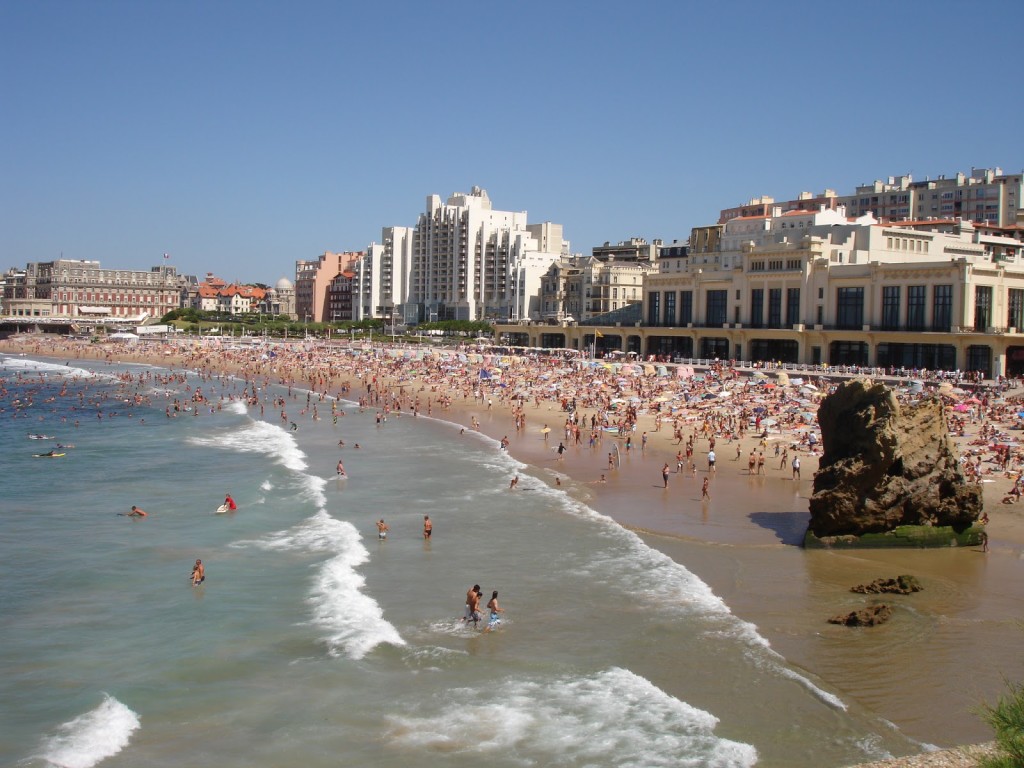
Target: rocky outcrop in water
x,y
888,466
901,585
871,616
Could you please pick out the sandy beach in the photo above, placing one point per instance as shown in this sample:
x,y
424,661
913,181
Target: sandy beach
x,y
738,524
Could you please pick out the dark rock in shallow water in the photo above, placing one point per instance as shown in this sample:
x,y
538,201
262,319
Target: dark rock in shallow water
x,y
901,585
886,467
871,616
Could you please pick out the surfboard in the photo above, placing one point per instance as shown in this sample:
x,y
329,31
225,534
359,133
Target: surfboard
x,y
222,509
47,455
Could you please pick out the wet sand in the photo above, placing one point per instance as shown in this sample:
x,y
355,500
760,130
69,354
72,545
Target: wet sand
x,y
946,650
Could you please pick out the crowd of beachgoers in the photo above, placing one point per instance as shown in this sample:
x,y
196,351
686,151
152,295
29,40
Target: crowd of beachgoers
x,y
681,413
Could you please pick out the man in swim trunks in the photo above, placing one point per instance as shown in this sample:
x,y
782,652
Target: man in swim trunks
x,y
136,512
198,573
428,527
473,605
382,529
493,619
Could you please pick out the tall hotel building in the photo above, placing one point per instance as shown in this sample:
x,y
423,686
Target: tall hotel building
x,y
462,261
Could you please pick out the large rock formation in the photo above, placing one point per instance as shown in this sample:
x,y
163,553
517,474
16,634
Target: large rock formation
x,y
886,467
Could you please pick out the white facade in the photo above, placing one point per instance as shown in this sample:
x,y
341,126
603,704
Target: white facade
x,y
462,261
382,276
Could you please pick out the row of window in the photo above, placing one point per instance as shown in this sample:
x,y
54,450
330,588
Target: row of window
x,y
911,315
119,297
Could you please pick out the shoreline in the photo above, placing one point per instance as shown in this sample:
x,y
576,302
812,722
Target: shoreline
x,y
759,517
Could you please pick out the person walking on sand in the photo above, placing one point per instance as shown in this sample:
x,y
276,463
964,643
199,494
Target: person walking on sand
x,y
796,467
704,490
664,474
428,527
711,461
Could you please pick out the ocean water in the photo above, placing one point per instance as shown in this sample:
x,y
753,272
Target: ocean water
x,y
312,642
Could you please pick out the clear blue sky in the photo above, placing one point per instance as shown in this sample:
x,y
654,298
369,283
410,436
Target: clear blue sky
x,y
241,136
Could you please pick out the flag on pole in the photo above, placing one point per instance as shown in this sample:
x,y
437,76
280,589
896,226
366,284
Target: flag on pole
x,y
599,334
167,255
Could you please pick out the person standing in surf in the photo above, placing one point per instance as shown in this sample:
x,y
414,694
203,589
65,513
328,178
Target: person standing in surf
x,y
493,619
198,573
473,605
382,529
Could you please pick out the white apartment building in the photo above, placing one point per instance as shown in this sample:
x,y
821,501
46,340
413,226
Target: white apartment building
x,y
462,261
382,277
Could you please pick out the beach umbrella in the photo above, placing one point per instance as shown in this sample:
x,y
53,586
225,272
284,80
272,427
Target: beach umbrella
x,y
961,407
782,377
807,416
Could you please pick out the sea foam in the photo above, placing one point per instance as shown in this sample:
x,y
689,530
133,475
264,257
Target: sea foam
x,y
30,365
613,718
258,437
92,737
353,621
